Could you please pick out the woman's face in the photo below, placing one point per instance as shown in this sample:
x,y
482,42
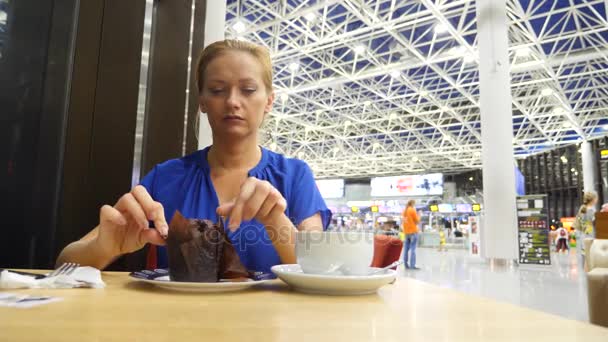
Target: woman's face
x,y
234,96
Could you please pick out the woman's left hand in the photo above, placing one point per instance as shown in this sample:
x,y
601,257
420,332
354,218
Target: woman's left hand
x,y
258,199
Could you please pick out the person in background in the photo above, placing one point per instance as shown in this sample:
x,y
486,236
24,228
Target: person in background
x,y
447,224
410,220
584,221
442,247
604,208
561,239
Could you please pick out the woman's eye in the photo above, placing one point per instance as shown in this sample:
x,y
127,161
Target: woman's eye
x,y
216,90
249,90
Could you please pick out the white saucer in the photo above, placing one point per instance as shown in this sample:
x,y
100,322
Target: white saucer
x,y
222,286
332,284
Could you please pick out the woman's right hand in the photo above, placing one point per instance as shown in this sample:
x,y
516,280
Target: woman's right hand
x,y
124,227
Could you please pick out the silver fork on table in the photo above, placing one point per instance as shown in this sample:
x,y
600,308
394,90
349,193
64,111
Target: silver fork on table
x,y
66,268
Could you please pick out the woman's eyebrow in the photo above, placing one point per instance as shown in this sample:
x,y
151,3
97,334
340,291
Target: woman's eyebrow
x,y
247,80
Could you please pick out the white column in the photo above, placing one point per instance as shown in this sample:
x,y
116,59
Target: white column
x,y
589,174
499,229
215,21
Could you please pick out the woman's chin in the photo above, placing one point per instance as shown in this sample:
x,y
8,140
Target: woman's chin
x,y
236,132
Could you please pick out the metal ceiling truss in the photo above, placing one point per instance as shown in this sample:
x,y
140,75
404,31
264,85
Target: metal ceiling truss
x,y
382,87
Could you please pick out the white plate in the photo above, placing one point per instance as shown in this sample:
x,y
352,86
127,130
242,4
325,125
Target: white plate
x,y
332,284
222,286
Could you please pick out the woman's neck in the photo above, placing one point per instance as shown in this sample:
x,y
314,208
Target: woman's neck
x,y
243,155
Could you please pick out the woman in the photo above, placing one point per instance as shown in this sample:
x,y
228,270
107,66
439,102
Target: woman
x,y
561,239
265,196
410,220
584,220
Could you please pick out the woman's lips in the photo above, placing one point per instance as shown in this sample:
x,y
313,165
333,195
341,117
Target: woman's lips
x,y
233,118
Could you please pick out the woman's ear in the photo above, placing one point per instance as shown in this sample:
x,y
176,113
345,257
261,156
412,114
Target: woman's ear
x,y
269,103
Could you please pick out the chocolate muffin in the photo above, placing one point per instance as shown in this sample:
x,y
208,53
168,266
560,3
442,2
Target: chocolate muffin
x,y
200,251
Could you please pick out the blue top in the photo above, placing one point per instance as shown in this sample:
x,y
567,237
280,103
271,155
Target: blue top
x,y
184,184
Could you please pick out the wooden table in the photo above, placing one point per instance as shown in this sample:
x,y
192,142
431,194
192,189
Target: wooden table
x,y
409,310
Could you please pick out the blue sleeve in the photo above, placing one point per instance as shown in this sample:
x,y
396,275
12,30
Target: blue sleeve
x,y
149,180
306,199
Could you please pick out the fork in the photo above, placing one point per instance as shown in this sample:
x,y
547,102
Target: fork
x,y
66,268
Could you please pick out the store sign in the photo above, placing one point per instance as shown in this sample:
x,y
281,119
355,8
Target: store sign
x,y
331,188
463,208
604,154
434,208
414,185
476,207
354,209
374,208
533,230
446,208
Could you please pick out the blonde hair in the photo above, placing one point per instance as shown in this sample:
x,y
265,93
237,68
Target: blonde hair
x,y
588,197
219,48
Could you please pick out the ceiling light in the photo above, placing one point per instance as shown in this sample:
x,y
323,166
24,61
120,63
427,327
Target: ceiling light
x,y
441,28
523,52
547,92
395,74
273,146
393,116
284,97
424,93
605,128
471,179
359,49
239,27
567,124
307,128
445,108
477,154
347,123
336,149
310,16
573,169
468,59
318,111
301,154
376,145
367,103
558,110
457,51
415,159
294,66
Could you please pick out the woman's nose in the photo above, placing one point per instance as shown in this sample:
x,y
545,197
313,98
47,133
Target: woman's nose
x,y
233,99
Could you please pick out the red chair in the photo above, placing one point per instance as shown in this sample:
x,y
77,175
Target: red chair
x,y
387,249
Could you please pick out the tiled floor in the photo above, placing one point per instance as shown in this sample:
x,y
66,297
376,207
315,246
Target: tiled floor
x,y
558,289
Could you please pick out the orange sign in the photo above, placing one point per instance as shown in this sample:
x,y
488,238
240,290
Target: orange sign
x,y
567,222
405,184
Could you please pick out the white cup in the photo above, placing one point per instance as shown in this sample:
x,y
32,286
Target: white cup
x,y
335,253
